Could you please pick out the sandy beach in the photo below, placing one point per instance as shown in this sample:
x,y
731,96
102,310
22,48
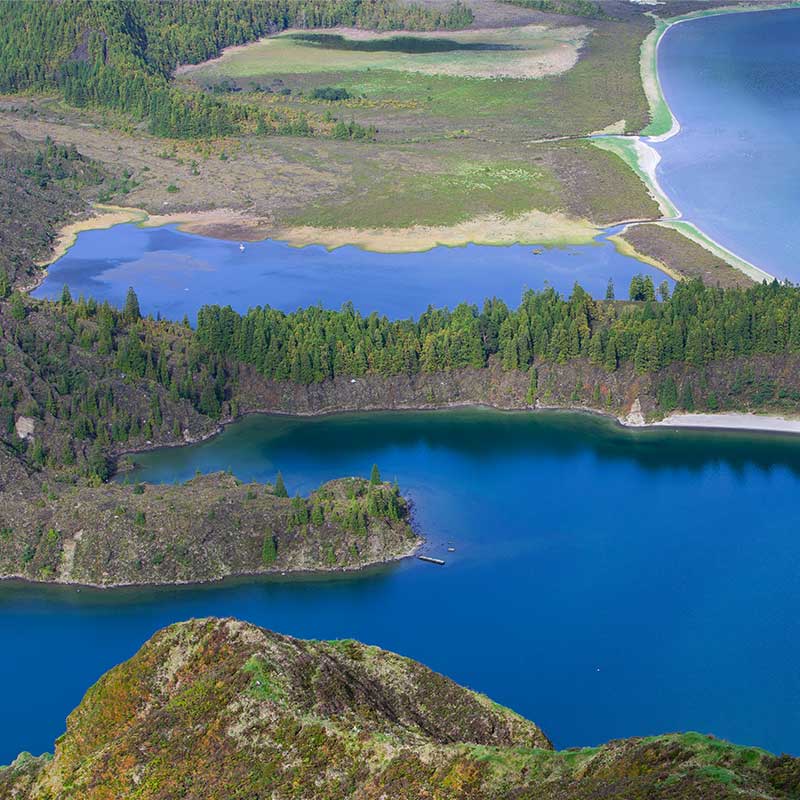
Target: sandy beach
x,y
105,217
731,421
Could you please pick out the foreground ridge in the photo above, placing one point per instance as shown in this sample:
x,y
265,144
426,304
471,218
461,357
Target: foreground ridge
x,y
221,708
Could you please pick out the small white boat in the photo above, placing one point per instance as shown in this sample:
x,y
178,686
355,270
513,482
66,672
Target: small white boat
x,y
241,247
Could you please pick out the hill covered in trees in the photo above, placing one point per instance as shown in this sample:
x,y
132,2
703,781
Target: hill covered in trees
x,y
217,708
121,55
89,381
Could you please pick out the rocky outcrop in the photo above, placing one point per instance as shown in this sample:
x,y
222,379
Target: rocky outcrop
x,y
759,383
222,709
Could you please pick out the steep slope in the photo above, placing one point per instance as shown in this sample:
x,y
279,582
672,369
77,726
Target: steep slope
x,y
220,708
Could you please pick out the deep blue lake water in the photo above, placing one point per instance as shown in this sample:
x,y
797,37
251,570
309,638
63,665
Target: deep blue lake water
x,y
733,82
605,583
176,273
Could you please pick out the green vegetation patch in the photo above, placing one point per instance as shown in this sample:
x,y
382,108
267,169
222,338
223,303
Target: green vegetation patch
x,y
468,190
395,44
262,683
577,8
521,52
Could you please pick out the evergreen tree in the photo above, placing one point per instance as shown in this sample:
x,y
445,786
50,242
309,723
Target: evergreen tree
x,y
280,486
131,312
374,476
610,289
17,307
687,397
269,550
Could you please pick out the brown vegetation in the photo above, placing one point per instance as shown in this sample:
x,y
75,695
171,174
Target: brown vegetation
x,y
220,708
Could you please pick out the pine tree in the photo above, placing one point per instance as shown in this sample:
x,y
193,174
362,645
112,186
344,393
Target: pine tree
x,y
269,552
374,476
280,486
131,312
533,386
610,289
687,397
66,297
17,307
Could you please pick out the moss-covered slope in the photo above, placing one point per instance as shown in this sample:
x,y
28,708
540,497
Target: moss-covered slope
x,y
206,529
223,709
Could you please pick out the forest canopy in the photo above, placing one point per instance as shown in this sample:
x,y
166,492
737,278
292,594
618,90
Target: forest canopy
x,y
120,54
697,324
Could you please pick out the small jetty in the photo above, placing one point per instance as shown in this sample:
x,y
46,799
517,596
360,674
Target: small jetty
x,y
430,560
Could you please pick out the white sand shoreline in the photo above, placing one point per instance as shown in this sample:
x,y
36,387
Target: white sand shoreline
x,y
756,423
647,157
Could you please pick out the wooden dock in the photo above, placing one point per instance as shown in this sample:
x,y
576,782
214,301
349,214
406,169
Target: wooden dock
x,y
430,560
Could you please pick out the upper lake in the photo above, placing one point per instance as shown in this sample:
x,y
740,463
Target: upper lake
x,y
605,583
175,273
733,82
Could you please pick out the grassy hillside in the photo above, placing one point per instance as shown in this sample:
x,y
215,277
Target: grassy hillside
x,y
219,708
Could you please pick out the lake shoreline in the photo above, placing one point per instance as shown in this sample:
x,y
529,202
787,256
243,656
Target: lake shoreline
x,y
741,422
643,158
659,107
529,229
317,572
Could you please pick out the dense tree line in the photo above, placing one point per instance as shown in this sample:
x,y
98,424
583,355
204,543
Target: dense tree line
x,y
120,54
577,8
96,379
697,324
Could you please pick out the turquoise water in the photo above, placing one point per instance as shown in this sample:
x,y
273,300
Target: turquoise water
x,y
733,82
176,273
605,583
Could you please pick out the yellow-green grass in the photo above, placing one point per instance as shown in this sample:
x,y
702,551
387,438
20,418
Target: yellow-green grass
x,y
571,177
660,114
528,51
463,191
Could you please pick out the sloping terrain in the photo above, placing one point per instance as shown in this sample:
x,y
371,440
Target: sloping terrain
x,y
219,708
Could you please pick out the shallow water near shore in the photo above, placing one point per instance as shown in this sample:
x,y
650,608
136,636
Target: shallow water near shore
x,y
733,82
175,273
605,583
